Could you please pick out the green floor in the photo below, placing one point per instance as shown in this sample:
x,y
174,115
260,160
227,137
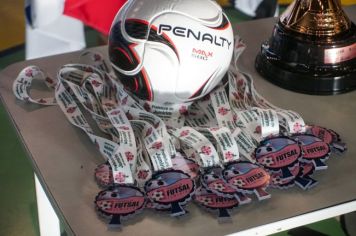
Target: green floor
x,y
18,210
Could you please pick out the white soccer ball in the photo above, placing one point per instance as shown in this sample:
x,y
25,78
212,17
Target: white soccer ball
x,y
171,51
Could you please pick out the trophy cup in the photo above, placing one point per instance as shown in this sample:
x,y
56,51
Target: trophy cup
x,y
312,49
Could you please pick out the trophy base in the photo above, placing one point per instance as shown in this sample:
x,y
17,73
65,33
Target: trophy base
x,y
307,65
303,82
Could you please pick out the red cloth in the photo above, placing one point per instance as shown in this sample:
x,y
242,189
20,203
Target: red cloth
x,y
98,14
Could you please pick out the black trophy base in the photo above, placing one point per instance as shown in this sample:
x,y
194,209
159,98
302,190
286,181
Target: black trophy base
x,y
296,63
303,82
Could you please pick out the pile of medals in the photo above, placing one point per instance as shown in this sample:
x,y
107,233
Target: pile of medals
x,y
220,151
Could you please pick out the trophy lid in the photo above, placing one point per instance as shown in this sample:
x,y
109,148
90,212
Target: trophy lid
x,y
316,17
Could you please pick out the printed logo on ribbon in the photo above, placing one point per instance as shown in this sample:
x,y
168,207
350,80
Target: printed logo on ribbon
x,y
95,59
22,85
222,109
208,155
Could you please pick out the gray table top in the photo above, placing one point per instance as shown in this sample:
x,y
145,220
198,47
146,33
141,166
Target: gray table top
x,y
64,158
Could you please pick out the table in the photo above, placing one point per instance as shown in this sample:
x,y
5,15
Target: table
x,y
64,159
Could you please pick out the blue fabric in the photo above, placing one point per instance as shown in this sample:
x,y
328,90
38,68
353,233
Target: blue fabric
x,y
28,12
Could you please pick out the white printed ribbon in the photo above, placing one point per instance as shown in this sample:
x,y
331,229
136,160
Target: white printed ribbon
x,y
227,147
240,119
22,84
156,148
290,120
207,154
115,154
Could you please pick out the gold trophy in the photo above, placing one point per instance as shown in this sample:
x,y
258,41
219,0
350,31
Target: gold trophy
x,y
312,49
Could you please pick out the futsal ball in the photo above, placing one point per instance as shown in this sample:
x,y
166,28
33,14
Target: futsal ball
x,y
170,50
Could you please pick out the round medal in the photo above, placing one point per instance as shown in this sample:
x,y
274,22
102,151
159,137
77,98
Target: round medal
x,y
170,189
119,202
